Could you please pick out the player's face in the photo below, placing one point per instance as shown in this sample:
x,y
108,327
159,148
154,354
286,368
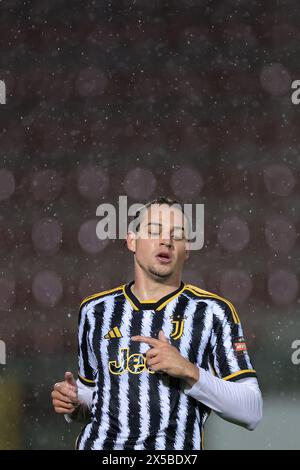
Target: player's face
x,y
161,245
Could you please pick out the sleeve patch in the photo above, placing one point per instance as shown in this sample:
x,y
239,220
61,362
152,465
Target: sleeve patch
x,y
239,345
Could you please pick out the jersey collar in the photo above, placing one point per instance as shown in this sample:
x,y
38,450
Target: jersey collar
x,y
148,304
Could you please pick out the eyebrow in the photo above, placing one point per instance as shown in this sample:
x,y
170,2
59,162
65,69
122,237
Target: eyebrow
x,y
160,225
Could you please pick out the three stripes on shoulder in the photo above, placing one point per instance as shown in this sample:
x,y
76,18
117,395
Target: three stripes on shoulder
x,y
114,333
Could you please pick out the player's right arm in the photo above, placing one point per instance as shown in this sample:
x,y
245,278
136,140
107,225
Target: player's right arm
x,y
74,398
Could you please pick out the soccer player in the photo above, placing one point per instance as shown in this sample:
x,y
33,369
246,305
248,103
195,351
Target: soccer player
x,y
157,355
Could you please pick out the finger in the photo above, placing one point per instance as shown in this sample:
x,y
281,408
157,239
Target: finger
x,y
69,378
64,411
152,352
144,339
61,404
65,391
64,398
162,337
156,368
153,362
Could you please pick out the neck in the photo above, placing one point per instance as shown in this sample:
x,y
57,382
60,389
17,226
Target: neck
x,y
150,289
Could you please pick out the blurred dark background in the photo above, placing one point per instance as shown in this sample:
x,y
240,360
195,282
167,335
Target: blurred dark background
x,y
190,99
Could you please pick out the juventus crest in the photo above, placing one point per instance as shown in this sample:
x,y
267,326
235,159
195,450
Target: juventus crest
x,y
178,322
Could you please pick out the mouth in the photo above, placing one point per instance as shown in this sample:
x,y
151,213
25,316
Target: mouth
x,y
164,257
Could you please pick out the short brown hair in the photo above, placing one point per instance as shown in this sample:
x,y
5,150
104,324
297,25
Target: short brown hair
x,y
159,200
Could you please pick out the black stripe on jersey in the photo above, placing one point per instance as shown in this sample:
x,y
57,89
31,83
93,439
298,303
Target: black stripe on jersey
x,y
87,376
114,403
113,347
175,387
152,400
240,357
99,311
220,353
234,333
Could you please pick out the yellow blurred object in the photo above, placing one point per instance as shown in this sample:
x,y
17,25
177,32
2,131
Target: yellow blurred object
x,y
10,414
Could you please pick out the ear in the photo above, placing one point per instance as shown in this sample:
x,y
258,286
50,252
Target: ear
x,y
187,251
131,241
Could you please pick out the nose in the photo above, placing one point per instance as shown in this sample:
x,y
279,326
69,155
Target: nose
x,y
166,242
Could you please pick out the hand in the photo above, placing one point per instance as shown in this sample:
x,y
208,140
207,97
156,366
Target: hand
x,y
163,357
65,395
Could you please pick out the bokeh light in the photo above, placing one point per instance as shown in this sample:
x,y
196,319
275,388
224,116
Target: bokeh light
x,y
283,286
279,180
186,182
46,236
139,183
47,288
93,183
234,234
88,240
7,184
280,233
46,185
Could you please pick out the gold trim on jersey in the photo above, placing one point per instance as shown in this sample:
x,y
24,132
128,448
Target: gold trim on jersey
x,y
129,299
100,294
171,298
204,293
240,372
86,380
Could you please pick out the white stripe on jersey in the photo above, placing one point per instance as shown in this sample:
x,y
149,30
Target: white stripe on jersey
x,y
206,332
148,317
197,433
216,362
226,336
123,399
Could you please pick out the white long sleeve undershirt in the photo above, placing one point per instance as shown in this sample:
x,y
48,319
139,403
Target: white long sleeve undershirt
x,y
85,396
239,402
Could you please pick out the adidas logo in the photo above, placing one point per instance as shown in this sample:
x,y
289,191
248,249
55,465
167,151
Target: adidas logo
x,y
114,333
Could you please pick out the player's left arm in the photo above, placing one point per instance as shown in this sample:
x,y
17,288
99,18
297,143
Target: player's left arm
x,y
233,393
231,389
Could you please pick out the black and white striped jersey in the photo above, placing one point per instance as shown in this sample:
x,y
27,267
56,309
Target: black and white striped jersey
x,y
134,407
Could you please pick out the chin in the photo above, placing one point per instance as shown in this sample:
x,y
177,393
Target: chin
x,y
160,274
